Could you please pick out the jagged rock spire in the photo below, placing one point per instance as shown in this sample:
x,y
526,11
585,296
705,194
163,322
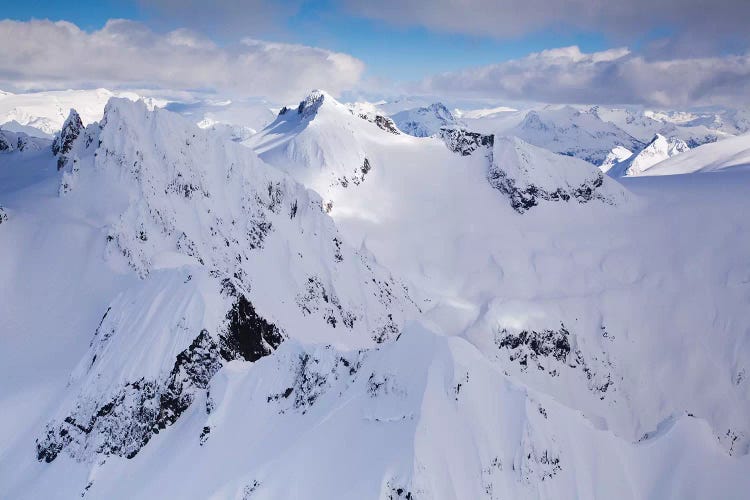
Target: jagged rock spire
x,y
63,142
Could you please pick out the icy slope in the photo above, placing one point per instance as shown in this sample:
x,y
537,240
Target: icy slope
x,y
659,149
731,153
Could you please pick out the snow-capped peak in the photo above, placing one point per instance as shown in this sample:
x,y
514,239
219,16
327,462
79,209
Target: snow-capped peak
x,y
659,149
310,104
63,142
72,126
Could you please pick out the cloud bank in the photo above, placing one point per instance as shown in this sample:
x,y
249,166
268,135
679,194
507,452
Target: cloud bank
x,y
52,55
615,76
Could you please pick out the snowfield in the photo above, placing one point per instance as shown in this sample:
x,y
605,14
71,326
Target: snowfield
x,y
335,308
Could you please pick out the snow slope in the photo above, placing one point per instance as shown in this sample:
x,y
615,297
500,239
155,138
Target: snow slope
x,y
225,340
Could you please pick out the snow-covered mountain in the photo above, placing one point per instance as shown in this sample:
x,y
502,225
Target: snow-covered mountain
x,y
228,256
43,113
729,154
512,324
645,124
300,141
568,131
426,121
659,149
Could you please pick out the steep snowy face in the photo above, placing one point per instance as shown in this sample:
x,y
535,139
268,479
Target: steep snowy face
x,y
234,257
617,155
426,121
64,140
529,175
659,149
325,144
582,134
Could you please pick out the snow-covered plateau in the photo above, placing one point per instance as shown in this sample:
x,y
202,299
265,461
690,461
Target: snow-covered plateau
x,y
371,301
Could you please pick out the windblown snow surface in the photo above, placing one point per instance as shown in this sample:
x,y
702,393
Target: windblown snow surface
x,y
458,316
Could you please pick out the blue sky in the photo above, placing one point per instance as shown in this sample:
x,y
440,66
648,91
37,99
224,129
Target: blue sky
x,y
397,53
652,52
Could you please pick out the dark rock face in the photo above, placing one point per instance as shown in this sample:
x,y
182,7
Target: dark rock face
x,y
140,409
125,423
248,336
194,368
523,199
383,122
465,142
311,104
531,344
550,351
63,143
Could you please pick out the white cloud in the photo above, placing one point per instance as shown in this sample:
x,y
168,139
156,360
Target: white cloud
x,y
47,55
615,76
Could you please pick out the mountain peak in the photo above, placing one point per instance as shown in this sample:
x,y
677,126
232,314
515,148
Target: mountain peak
x,y
657,150
310,104
63,142
529,174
